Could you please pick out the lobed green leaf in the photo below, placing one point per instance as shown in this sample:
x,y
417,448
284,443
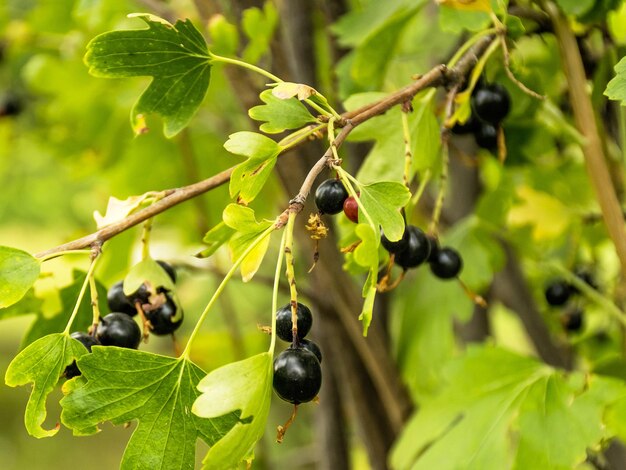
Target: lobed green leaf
x,y
280,114
383,202
42,363
18,272
244,387
616,88
177,58
121,385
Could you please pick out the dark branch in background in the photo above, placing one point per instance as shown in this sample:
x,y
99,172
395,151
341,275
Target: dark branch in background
x,y
438,76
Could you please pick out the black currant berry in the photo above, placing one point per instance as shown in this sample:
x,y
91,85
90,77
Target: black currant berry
x,y
313,347
118,302
297,375
447,264
486,136
491,103
469,127
329,196
284,325
161,318
86,340
351,209
169,269
434,247
118,329
572,320
417,251
397,246
11,105
558,292
587,277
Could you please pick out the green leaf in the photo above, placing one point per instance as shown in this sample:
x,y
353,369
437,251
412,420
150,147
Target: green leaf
x,y
383,202
259,25
616,88
215,238
18,272
372,57
244,387
242,219
147,271
493,395
121,385
249,177
280,114
27,305
224,35
42,363
366,255
575,7
177,58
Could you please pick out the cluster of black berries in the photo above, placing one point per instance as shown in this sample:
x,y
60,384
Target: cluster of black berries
x,y
413,249
559,292
490,105
297,370
160,314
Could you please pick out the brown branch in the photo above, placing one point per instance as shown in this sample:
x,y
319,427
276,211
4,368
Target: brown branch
x,y
440,75
584,115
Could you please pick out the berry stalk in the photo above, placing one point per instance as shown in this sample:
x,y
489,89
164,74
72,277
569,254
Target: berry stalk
x,y
291,275
279,265
81,294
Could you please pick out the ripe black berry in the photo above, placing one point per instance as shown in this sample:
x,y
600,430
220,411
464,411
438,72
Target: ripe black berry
x,y
284,325
491,103
447,264
558,292
486,136
470,126
297,375
86,340
434,247
572,320
118,329
171,272
313,347
10,105
329,196
417,251
351,209
118,302
397,246
162,318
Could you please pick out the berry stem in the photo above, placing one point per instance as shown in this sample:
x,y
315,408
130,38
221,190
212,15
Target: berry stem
x,y
295,138
291,275
93,292
81,294
145,239
408,154
187,351
279,265
469,43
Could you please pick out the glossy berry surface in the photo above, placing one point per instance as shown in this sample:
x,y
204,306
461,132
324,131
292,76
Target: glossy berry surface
x,y
118,302
297,375
118,329
572,320
491,103
86,340
558,292
163,319
330,196
433,242
447,264
313,347
284,325
417,251
351,209
397,246
486,136
171,272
